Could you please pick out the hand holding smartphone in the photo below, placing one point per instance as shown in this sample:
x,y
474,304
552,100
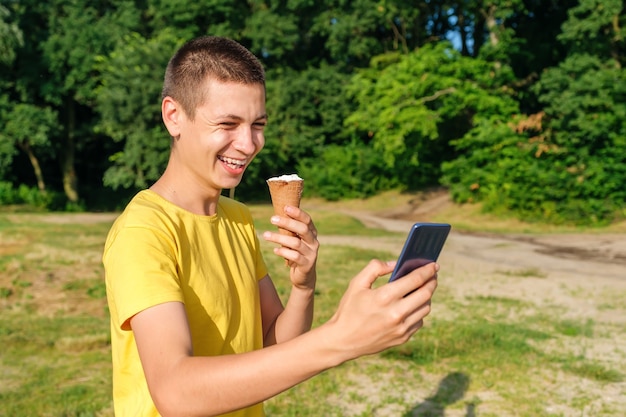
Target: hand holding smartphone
x,y
422,246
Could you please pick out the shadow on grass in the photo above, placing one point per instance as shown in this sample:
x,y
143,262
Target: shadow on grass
x,y
451,389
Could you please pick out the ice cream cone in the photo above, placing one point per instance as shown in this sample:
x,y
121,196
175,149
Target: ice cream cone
x,y
285,190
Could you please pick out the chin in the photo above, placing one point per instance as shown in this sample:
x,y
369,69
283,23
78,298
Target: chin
x,y
231,184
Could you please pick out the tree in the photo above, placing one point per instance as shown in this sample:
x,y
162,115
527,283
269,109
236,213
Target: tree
x,y
79,32
128,100
10,37
28,128
10,40
567,162
306,110
415,105
585,105
598,28
54,74
354,32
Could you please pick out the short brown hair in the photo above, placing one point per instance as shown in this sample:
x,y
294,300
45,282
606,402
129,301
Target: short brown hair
x,y
208,57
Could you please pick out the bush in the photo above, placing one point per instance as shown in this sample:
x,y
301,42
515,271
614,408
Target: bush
x,y
351,171
31,197
534,179
7,194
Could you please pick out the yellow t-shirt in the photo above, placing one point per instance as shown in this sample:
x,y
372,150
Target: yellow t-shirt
x,y
157,252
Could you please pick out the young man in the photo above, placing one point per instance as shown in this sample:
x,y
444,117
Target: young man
x,y
197,326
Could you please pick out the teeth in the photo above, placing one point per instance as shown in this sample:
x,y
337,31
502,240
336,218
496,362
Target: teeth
x,y
231,161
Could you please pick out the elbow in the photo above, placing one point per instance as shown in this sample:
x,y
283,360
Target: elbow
x,y
168,401
165,404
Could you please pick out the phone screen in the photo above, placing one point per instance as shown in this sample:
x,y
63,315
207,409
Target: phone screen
x,y
422,246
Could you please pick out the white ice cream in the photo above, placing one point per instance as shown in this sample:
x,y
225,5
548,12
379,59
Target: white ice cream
x,y
288,177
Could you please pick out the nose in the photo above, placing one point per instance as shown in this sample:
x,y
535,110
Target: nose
x,y
247,141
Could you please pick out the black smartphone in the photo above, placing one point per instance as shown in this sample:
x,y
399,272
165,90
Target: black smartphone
x,y
422,246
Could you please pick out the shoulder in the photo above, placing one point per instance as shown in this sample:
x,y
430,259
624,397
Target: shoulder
x,y
147,212
232,208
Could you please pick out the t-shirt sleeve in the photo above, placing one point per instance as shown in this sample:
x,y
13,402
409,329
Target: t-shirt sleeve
x,y
141,272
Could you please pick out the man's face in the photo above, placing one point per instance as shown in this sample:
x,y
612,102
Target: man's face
x,y
226,134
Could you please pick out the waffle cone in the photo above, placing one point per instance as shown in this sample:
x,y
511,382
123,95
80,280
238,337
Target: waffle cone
x,y
285,193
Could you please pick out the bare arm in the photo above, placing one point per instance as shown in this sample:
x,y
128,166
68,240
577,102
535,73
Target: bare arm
x,y
367,321
301,255
281,324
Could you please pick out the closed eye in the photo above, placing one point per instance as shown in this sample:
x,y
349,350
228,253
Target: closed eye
x,y
228,125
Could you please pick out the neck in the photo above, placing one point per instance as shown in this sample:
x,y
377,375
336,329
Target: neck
x,y
187,196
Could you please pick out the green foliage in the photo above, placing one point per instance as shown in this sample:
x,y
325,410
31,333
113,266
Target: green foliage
x,y
350,171
7,193
79,32
189,18
28,128
306,111
596,27
566,164
272,32
128,100
30,125
358,30
410,110
585,102
366,92
53,73
512,172
31,197
10,37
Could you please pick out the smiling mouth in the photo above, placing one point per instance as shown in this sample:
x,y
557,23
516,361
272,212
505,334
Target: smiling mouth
x,y
233,163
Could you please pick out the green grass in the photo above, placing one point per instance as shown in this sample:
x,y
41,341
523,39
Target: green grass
x,y
490,355
54,366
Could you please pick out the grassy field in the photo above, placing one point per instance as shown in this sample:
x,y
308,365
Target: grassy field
x,y
55,347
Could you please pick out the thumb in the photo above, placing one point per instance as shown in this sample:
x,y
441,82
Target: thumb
x,y
372,271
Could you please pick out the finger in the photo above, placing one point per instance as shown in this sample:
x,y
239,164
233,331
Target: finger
x,y
415,320
292,258
309,230
418,304
294,226
415,279
297,213
281,239
292,248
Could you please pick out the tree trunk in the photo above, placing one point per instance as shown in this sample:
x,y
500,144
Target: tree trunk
x,y
463,33
70,181
477,34
492,26
615,49
25,146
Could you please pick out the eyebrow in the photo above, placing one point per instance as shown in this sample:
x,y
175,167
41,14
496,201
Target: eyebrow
x,y
235,117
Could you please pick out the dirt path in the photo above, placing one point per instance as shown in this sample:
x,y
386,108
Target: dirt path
x,y
582,257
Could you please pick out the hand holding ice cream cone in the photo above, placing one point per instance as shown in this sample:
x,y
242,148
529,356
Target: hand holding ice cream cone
x,y
285,190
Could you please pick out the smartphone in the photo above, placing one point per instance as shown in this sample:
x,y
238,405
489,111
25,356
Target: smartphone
x,y
422,246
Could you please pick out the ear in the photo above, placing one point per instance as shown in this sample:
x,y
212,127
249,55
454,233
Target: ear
x,y
172,115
